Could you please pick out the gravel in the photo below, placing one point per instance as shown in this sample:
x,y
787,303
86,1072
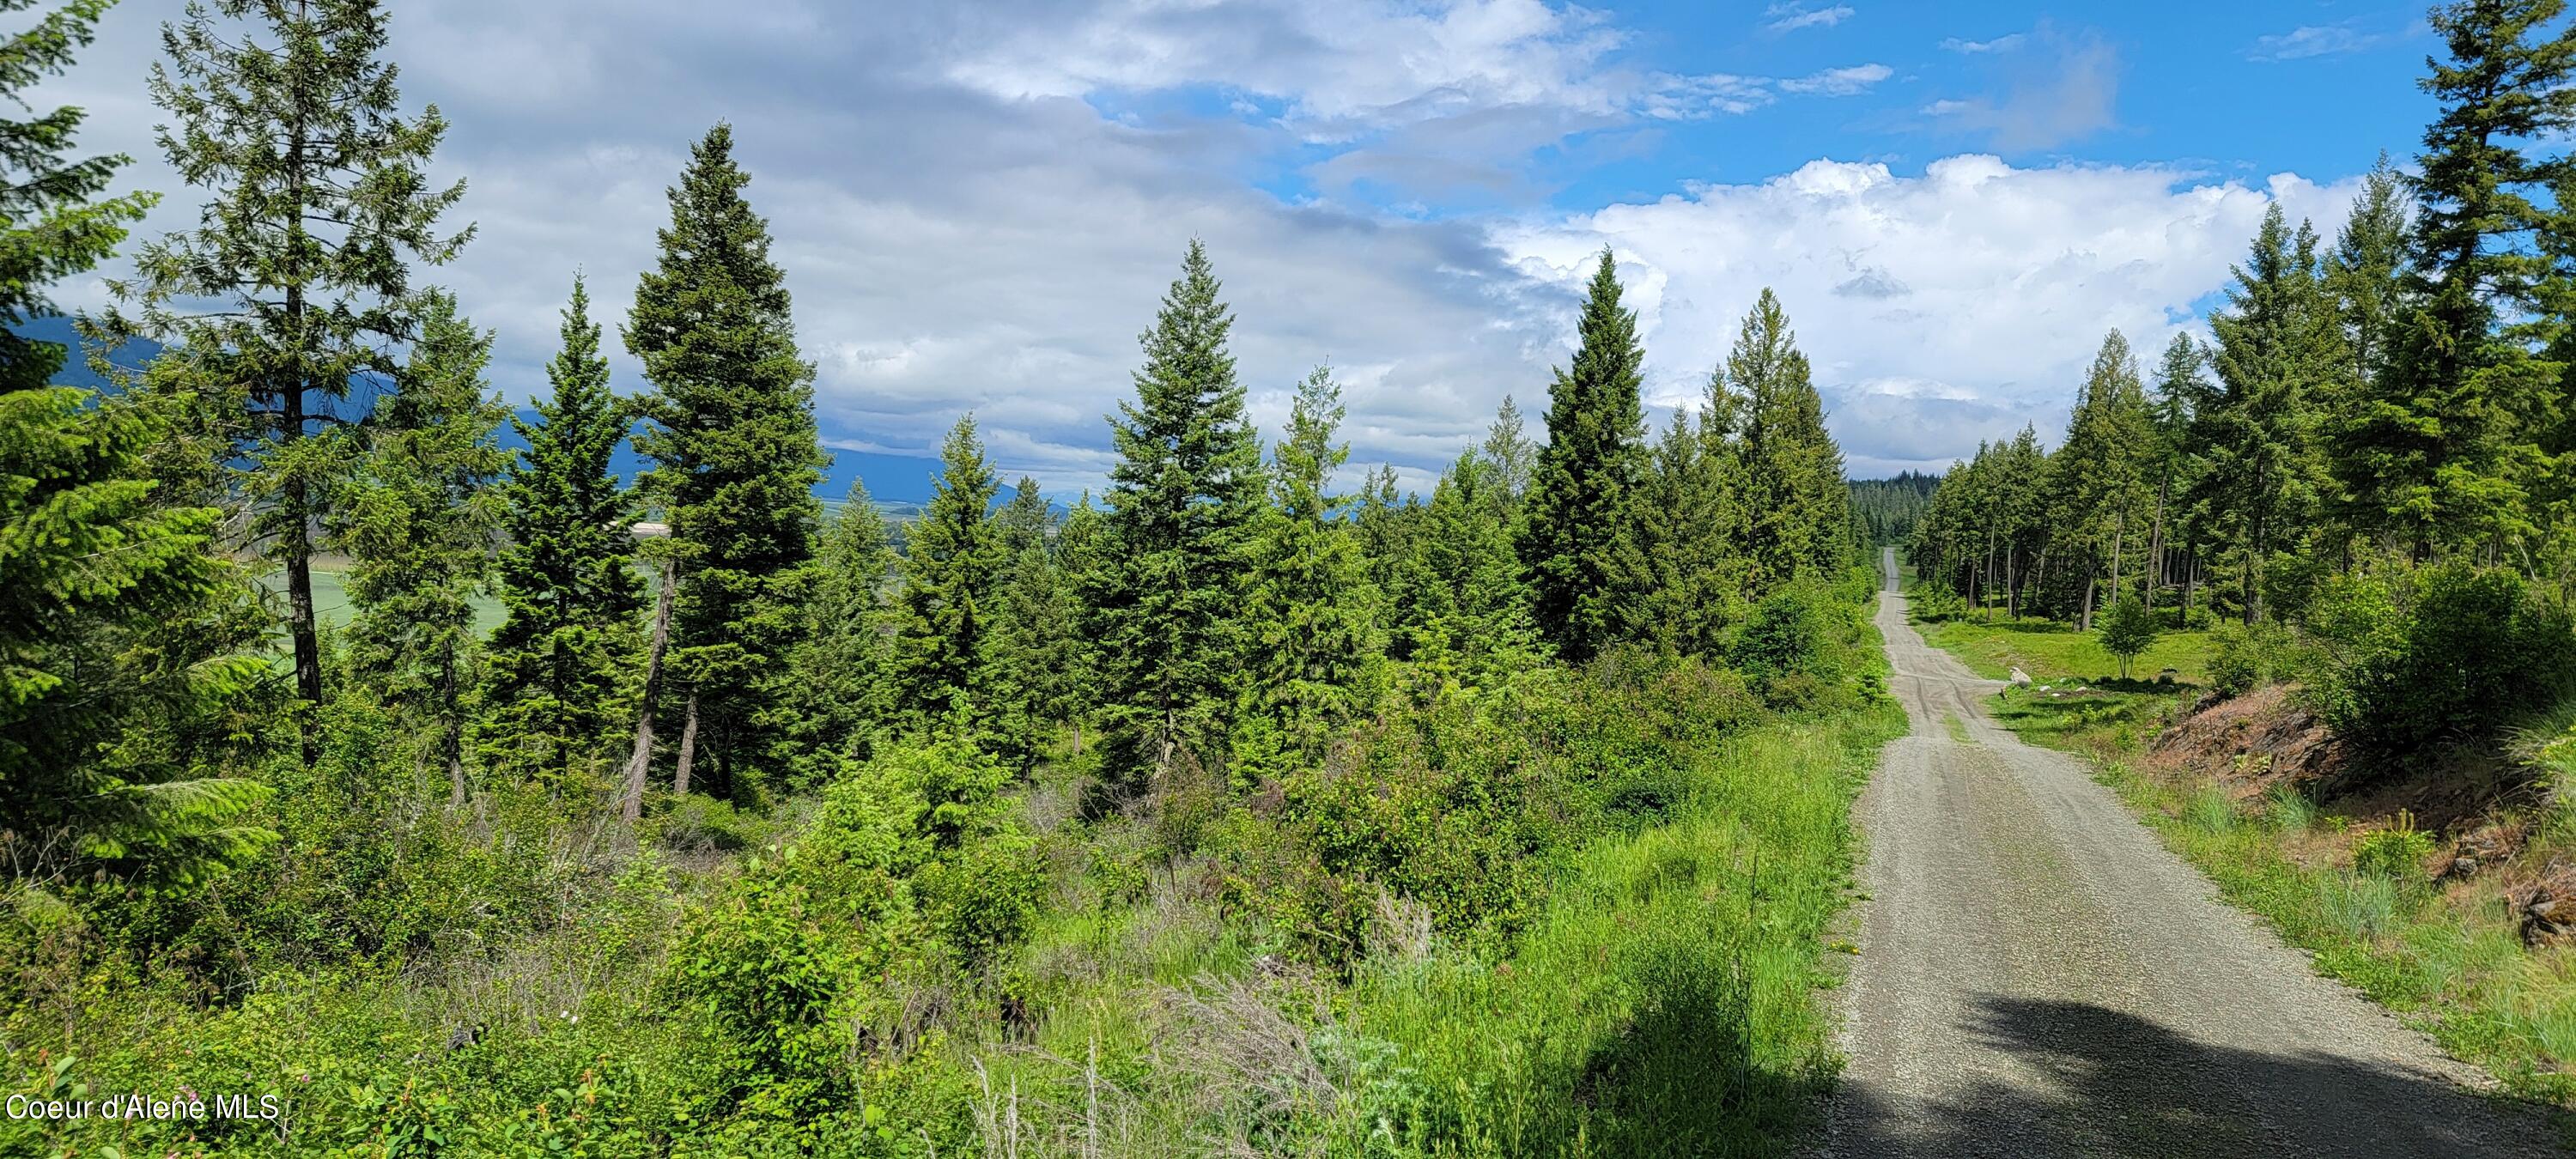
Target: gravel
x,y
2038,976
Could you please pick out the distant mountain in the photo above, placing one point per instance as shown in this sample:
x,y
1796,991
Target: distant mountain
x,y
900,484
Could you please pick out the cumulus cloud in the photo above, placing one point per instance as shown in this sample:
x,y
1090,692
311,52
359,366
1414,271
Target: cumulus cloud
x,y
2311,40
969,223
1939,309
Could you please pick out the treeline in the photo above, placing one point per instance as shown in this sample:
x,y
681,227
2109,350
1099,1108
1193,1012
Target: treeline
x,y
1889,509
1224,651
2375,447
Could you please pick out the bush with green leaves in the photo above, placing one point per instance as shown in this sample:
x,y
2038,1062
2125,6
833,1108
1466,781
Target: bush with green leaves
x,y
2128,628
2408,656
2245,657
2397,852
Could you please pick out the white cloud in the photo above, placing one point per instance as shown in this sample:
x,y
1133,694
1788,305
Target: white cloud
x,y
998,246
1939,309
2063,94
1839,82
2311,40
1973,47
1792,17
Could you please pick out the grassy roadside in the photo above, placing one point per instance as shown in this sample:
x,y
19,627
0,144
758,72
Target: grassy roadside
x,y
2446,957
1666,1000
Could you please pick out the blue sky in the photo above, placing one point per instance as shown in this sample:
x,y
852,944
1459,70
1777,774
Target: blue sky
x,y
978,203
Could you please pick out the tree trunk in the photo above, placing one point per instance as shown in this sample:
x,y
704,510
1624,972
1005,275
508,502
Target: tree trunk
x,y
297,498
630,803
688,746
451,741
2086,623
2156,544
2119,528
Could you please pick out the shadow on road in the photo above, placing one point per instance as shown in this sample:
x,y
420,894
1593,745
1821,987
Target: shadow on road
x,y
2109,1083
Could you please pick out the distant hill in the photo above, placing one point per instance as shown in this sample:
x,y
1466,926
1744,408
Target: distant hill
x,y
900,484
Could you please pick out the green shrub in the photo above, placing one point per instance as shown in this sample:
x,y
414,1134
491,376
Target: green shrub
x,y
2246,657
701,823
2397,852
2127,629
2451,651
2361,908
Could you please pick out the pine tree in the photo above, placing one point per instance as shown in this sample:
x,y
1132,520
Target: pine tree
x,y
734,462
1587,476
1474,626
2179,389
1038,655
417,523
1682,572
951,567
1082,556
1799,509
2442,443
1182,497
1510,454
2101,504
556,664
848,656
118,673
1306,622
317,192
2277,342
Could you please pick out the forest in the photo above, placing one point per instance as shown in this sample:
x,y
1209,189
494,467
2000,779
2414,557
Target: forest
x,y
1249,806
2366,477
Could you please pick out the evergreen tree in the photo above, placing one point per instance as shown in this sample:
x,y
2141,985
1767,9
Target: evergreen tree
x,y
951,565
118,673
1511,454
1307,630
2441,446
2180,389
556,664
1799,509
2101,504
1082,556
847,659
1473,626
317,192
1587,475
1182,497
2277,342
1682,570
1038,655
734,463
417,524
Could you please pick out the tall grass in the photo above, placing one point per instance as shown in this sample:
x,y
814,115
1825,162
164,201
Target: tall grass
x,y
1663,1002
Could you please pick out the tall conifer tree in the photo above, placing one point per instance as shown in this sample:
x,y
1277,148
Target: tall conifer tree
x,y
952,563
1582,490
1182,498
118,674
566,577
418,524
317,194
1307,630
734,462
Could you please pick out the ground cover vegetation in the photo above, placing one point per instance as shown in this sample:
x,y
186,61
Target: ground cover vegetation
x,y
1229,811
2347,525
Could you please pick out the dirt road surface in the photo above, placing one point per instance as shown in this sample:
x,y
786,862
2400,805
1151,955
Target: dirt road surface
x,y
2038,976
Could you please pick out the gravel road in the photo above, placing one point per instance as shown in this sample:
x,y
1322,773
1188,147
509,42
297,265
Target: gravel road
x,y
2038,976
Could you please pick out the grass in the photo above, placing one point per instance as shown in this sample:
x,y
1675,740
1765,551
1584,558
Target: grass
x,y
1958,728
2447,959
331,596
1665,1002
2051,650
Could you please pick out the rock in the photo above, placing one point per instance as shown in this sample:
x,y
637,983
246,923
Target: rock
x,y
2547,908
2168,676
2020,679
